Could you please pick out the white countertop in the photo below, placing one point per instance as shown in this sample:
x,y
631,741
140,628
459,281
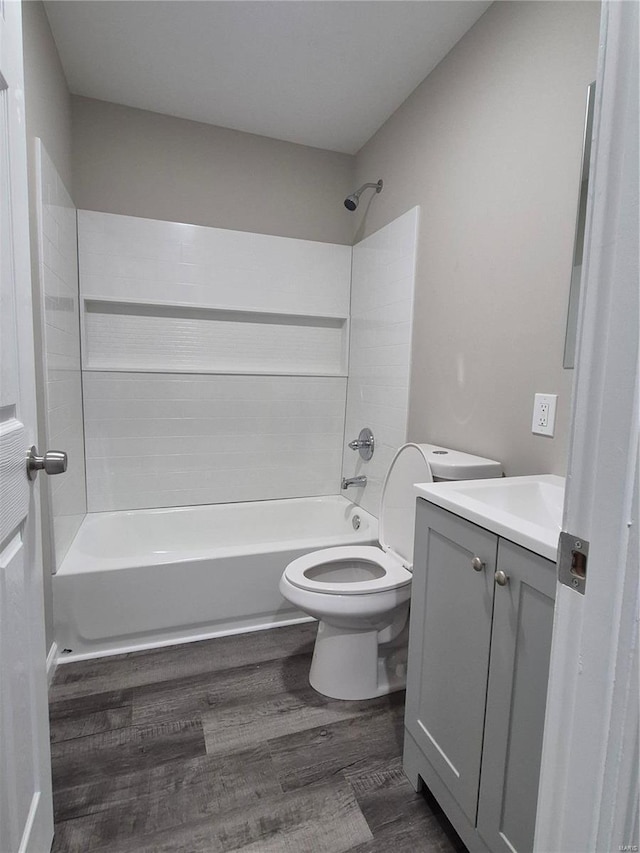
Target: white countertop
x,y
525,510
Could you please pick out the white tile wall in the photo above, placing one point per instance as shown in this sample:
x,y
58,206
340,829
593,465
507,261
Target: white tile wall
x,y
57,241
382,287
167,440
147,337
160,434
145,431
125,257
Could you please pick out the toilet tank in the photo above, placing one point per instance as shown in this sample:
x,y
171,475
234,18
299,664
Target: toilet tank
x,y
449,464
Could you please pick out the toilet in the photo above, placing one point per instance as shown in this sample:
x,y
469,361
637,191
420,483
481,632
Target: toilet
x,y
361,594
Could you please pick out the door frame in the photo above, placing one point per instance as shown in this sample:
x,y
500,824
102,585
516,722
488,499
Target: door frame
x,y
588,798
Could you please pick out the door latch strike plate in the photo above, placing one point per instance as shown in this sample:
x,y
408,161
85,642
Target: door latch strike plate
x,y
573,553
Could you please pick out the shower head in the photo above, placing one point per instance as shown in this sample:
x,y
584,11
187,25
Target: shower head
x,y
351,201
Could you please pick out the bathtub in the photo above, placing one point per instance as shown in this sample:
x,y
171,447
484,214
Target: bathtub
x,y
146,578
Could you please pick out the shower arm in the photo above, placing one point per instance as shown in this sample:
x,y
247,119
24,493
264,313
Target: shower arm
x,y
377,187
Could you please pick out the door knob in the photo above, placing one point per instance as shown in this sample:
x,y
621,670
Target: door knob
x,y
478,564
53,462
501,578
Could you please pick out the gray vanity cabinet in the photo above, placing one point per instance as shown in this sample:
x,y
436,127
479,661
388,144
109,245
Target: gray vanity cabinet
x,y
450,636
477,678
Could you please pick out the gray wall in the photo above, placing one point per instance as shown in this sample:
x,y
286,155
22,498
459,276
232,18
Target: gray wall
x,y
140,163
48,116
48,102
489,146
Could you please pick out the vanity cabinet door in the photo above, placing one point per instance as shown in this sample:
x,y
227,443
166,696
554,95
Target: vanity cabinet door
x,y
450,633
516,698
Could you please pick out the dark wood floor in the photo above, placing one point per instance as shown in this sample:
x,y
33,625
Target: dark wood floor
x,y
222,746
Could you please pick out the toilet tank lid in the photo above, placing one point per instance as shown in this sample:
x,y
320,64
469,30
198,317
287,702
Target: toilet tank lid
x,y
455,465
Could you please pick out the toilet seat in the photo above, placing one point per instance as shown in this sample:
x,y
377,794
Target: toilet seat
x,y
393,558
394,574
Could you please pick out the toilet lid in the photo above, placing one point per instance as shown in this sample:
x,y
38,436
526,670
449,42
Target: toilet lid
x,y
398,505
347,570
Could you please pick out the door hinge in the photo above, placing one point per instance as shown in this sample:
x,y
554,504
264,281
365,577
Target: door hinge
x,y
573,553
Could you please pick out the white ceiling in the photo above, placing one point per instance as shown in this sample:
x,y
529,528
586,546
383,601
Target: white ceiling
x,y
326,73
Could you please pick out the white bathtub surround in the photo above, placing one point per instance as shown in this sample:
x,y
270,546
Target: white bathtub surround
x,y
125,257
382,288
134,580
166,338
214,363
62,387
175,440
168,297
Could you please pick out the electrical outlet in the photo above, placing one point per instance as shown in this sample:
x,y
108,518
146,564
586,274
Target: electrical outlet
x,y
544,414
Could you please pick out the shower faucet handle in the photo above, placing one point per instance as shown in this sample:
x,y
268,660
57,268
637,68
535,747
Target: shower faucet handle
x,y
357,443
364,443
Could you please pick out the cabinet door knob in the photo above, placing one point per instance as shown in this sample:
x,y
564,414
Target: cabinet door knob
x,y
501,578
478,564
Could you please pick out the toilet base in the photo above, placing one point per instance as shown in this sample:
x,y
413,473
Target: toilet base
x,y
354,665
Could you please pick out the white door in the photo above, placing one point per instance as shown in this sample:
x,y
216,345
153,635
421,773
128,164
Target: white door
x,y
26,814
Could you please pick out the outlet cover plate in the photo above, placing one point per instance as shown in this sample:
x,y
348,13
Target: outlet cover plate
x,y
544,414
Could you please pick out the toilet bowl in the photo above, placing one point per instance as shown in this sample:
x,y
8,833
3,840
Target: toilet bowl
x,y
361,594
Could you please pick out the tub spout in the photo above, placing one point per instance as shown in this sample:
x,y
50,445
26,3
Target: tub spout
x,y
353,481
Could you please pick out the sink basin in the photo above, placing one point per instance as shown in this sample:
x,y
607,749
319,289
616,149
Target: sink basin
x,y
525,510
